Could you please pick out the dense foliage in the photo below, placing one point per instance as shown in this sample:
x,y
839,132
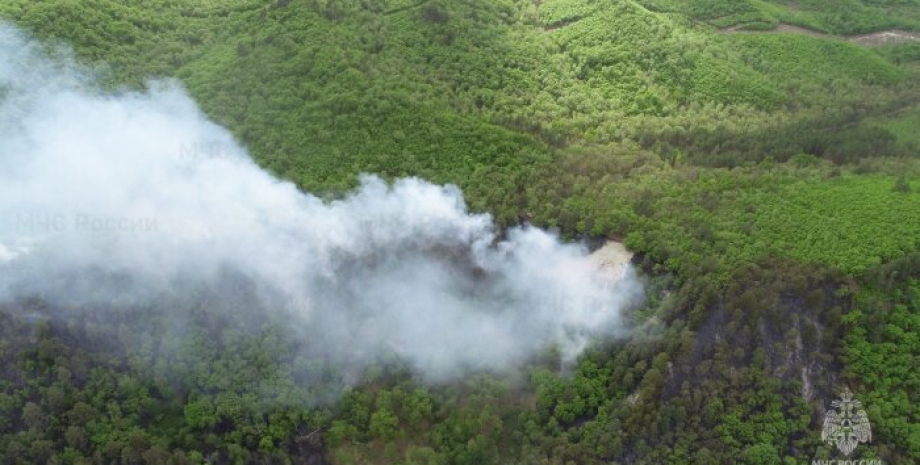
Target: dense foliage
x,y
768,183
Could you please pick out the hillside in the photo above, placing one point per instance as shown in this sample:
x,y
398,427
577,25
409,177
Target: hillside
x,y
758,156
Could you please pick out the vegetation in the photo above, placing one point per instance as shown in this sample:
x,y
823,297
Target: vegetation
x,y
843,17
768,183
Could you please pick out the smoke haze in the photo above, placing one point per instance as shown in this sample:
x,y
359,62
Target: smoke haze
x,y
120,198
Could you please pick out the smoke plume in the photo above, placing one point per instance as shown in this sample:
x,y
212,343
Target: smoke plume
x,y
120,198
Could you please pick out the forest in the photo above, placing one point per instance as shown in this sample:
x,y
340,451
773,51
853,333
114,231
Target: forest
x,y
763,166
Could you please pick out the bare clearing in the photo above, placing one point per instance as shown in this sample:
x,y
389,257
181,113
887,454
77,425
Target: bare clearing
x,y
611,261
894,36
874,39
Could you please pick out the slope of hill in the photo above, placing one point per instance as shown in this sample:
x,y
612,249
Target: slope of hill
x,y
766,182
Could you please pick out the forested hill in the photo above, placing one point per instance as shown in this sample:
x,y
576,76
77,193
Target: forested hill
x,y
761,162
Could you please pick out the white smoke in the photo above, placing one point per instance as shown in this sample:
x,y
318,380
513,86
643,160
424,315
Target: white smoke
x,y
140,185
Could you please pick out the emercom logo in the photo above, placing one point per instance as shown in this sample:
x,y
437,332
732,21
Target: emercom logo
x,y
846,425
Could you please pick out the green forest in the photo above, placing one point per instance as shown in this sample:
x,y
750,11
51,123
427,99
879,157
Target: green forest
x,y
762,163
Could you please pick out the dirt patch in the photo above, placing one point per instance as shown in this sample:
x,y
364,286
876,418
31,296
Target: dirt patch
x,y
894,36
874,39
611,261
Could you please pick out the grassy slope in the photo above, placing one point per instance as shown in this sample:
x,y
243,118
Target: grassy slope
x,y
844,17
904,125
490,91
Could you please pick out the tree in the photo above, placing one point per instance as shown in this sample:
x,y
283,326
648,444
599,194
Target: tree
x,y
200,413
76,437
901,185
33,416
383,424
762,454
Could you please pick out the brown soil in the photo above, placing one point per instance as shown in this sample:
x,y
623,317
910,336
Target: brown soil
x,y
894,36
874,39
